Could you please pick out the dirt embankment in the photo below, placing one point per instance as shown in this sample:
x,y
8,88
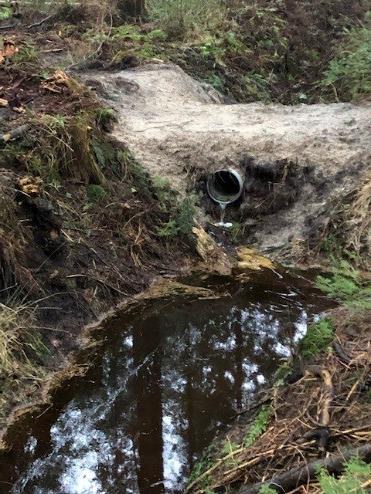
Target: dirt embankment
x,y
295,160
82,225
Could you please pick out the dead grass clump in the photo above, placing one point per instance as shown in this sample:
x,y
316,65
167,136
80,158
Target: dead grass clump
x,y
345,226
87,13
13,272
21,354
359,218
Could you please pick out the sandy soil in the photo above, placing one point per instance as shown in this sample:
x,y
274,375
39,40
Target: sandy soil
x,y
182,130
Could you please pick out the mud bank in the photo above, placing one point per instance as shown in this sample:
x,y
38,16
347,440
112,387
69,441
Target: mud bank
x,y
295,160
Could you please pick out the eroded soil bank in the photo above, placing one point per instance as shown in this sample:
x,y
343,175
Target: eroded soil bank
x,y
295,161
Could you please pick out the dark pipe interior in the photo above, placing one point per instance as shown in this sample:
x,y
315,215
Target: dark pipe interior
x,y
224,186
225,183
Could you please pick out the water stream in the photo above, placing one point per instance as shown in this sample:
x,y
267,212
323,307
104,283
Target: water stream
x,y
169,377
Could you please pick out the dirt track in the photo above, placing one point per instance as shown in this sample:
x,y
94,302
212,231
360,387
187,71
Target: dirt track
x,y
181,129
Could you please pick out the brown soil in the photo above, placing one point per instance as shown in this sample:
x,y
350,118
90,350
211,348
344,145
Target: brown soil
x,y
66,254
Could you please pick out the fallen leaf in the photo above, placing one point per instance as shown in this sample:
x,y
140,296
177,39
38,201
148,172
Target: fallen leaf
x,y
18,109
30,185
251,259
9,49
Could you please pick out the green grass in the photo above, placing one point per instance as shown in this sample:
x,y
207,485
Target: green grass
x,y
345,285
95,193
265,489
349,74
186,18
319,336
181,220
258,427
5,13
355,474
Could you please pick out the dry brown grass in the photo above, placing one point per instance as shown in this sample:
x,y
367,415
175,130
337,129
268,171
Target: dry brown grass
x,y
21,353
14,238
344,229
359,217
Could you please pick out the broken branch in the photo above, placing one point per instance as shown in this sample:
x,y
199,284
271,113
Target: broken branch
x,y
301,475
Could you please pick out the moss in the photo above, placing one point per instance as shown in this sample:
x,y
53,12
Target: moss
x,y
95,193
346,286
319,336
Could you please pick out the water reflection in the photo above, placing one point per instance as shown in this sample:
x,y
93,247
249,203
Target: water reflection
x,y
163,387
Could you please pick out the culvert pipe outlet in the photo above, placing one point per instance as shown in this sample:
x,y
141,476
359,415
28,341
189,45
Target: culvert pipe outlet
x,y
225,186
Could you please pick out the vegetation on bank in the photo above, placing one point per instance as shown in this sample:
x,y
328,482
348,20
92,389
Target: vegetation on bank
x,y
276,51
295,421
74,206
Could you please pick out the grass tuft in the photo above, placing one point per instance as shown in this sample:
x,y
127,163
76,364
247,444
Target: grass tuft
x,y
345,285
349,74
186,18
19,340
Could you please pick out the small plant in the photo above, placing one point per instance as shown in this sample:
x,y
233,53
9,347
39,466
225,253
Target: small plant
x,y
25,58
185,215
216,81
5,13
282,372
229,447
105,117
168,229
318,338
201,467
258,427
257,86
95,193
356,473
181,221
163,191
265,489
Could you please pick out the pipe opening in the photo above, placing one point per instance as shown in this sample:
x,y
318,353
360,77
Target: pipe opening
x,y
225,186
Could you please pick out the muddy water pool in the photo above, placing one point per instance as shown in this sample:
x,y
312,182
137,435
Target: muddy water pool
x,y
166,380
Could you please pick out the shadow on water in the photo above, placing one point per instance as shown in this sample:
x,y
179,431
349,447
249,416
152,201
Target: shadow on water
x,y
168,378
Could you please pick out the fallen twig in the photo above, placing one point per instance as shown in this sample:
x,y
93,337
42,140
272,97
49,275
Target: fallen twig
x,y
39,23
14,134
300,475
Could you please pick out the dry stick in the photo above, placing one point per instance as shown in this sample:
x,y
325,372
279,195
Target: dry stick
x,y
13,134
211,469
327,397
300,475
39,23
